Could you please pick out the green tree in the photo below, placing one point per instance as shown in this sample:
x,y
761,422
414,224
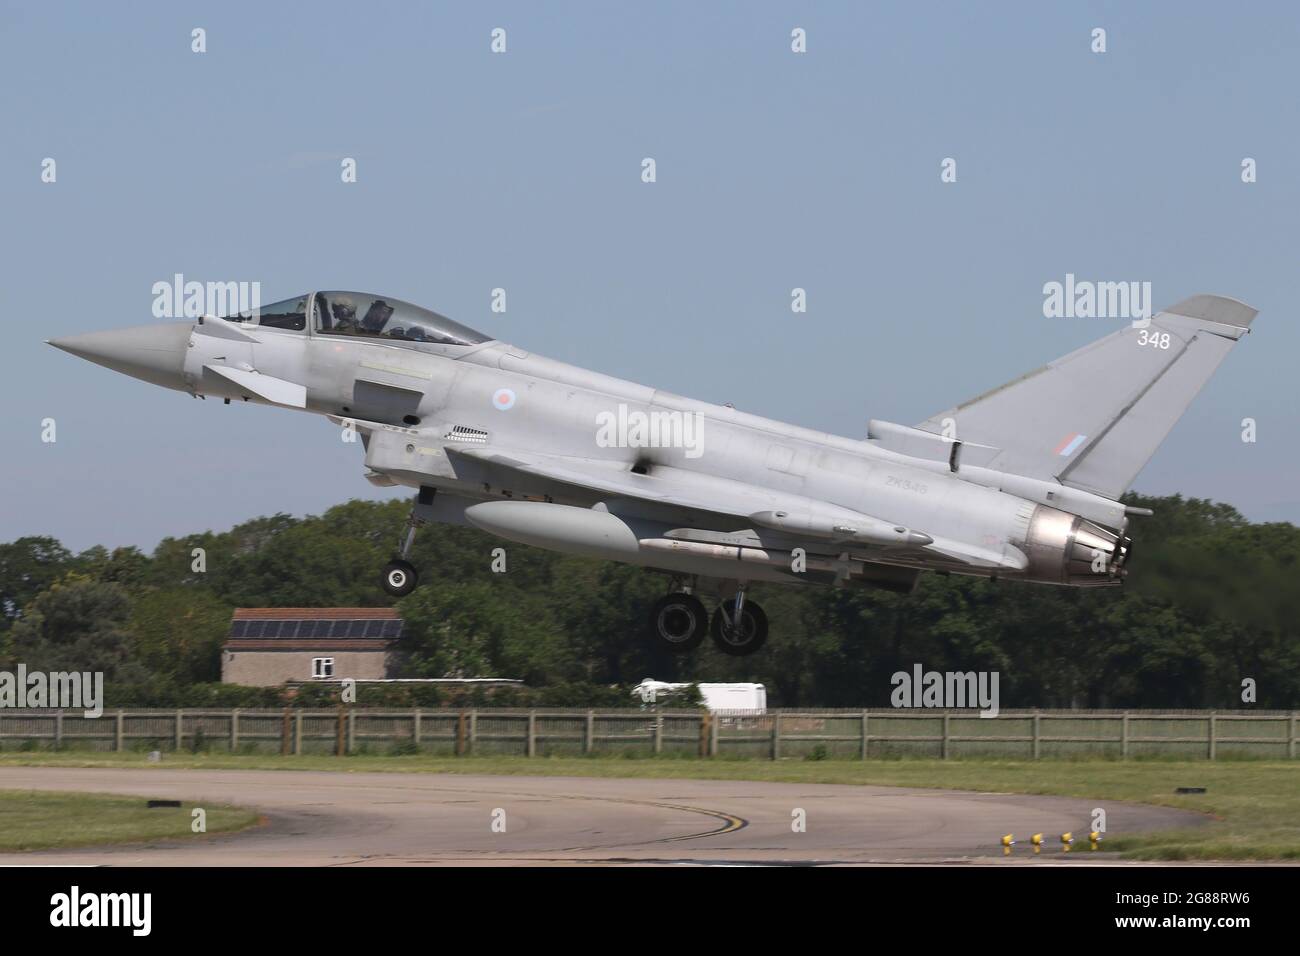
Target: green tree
x,y
79,624
176,634
27,567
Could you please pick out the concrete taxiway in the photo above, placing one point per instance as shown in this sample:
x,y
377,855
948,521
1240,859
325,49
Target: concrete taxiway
x,y
386,819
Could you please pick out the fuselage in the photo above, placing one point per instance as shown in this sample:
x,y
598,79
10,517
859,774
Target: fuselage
x,y
491,393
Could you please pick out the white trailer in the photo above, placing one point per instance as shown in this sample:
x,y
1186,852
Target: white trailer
x,y
733,696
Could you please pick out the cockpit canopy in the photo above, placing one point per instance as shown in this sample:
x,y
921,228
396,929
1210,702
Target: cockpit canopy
x,y
363,315
373,316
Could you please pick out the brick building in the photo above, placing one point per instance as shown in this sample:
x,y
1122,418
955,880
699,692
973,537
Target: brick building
x,y
272,646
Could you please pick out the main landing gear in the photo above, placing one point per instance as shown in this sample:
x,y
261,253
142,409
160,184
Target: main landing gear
x,y
400,576
678,622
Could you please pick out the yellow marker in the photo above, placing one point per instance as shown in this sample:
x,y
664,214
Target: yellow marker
x,y
1008,842
1094,837
1066,840
1037,841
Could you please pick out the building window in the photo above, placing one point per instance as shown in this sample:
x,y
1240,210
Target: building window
x,y
322,667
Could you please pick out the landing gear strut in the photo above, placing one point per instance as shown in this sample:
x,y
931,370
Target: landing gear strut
x,y
400,576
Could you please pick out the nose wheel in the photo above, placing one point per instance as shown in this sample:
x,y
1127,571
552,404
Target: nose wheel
x,y
400,577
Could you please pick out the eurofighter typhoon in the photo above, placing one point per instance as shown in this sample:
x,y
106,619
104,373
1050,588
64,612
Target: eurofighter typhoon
x,y
1020,483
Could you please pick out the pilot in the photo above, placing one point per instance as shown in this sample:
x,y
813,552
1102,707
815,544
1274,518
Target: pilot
x,y
345,316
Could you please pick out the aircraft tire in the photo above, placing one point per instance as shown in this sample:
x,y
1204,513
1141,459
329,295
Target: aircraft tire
x,y
678,622
400,578
753,628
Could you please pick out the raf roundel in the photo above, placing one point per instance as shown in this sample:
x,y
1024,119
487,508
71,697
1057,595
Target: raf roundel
x,y
503,399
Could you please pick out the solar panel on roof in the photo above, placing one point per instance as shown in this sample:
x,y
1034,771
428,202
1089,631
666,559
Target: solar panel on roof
x,y
318,628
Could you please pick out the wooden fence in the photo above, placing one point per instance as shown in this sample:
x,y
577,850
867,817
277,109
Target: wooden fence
x,y
773,735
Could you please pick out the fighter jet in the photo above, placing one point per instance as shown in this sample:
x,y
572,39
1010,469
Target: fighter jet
x,y
1020,483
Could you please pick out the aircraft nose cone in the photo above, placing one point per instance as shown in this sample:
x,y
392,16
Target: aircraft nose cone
x,y
154,353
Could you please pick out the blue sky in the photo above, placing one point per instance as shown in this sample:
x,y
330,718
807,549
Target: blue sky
x,y
522,171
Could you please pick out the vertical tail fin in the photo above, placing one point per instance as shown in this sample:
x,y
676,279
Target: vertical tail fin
x,y
1093,419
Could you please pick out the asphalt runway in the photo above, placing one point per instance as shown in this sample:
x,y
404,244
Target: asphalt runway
x,y
395,819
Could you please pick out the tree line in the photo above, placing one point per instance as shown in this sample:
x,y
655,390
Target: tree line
x,y
1210,612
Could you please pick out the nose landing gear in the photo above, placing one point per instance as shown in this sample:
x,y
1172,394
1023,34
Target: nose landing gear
x,y
400,576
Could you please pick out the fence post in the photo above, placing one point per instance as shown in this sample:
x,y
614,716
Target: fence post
x,y
284,734
340,733
659,733
776,735
1292,743
944,746
234,730
703,749
415,729
351,742
713,734
866,737
297,734
58,730
180,730
532,733
460,734
1213,728
119,731
1123,736
1037,735
473,730
589,733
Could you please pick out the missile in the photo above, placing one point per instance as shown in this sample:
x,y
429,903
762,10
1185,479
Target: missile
x,y
858,528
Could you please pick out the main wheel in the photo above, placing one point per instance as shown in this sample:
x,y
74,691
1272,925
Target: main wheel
x,y
744,639
400,577
678,622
